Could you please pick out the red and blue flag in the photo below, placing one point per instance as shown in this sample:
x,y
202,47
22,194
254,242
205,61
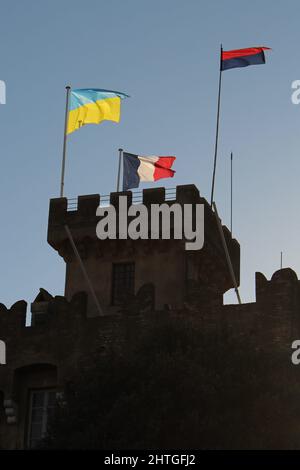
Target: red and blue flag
x,y
243,57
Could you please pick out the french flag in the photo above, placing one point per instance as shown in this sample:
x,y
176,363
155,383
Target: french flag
x,y
138,168
243,57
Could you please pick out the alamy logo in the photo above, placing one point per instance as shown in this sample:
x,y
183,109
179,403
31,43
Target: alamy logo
x,y
295,357
2,92
154,222
2,353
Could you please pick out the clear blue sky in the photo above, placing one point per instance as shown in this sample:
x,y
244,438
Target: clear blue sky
x,y
165,54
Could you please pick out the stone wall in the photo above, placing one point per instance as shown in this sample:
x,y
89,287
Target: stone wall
x,y
61,346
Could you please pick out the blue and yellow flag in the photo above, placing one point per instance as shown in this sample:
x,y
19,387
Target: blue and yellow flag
x,y
92,106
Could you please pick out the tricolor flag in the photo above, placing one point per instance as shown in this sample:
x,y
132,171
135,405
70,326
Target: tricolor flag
x,y
92,106
138,168
243,57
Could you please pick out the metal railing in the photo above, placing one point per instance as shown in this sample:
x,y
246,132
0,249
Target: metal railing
x,y
137,198
72,204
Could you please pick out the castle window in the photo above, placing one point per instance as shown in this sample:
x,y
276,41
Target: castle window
x,y
42,403
122,282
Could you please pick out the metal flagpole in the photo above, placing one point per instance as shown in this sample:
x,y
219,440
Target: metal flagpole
x,y
217,130
228,259
281,260
87,279
231,184
62,182
119,169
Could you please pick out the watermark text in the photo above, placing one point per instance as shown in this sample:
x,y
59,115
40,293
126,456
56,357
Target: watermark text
x,y
157,221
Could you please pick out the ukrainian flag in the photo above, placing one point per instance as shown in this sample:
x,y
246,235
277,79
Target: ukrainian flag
x,y
92,106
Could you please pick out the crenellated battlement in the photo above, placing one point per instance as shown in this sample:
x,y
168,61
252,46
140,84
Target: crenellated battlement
x,y
12,319
84,209
57,313
183,273
62,334
283,285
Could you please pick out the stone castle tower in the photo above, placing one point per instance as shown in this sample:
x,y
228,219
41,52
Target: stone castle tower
x,y
135,282
161,268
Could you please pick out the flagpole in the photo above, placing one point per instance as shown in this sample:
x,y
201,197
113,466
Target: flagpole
x,y
217,129
62,182
231,186
85,274
228,259
119,169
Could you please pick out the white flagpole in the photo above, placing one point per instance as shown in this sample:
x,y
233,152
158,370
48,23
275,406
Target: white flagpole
x,y
62,182
217,130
